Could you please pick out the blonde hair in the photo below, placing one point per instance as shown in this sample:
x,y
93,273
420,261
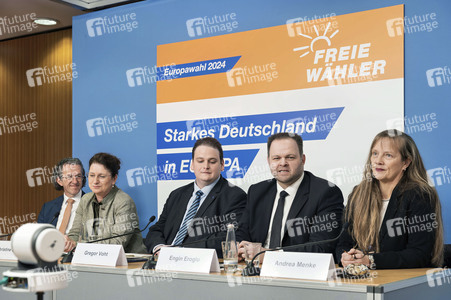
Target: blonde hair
x,y
365,201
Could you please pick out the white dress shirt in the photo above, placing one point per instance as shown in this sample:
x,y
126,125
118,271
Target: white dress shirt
x,y
291,190
77,199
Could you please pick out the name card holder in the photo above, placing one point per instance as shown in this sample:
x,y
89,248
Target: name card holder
x,y
188,260
5,251
299,265
99,255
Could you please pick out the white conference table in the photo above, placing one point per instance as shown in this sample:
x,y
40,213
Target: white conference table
x,y
92,282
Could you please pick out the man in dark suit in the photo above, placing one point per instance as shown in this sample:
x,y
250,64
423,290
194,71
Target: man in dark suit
x,y
69,177
201,209
295,207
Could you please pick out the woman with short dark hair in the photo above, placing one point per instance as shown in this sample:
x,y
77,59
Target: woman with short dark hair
x,y
107,211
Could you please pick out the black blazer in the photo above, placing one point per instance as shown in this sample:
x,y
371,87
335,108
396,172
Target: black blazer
x,y
315,214
224,204
407,234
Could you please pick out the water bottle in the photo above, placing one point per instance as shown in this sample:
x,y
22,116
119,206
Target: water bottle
x,y
230,250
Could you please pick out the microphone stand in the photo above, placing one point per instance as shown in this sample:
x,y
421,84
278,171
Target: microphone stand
x,y
252,270
6,235
68,257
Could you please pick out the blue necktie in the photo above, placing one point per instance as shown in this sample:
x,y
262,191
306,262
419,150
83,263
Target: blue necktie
x,y
189,216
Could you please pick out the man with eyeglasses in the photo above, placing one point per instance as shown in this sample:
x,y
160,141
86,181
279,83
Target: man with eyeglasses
x,y
69,175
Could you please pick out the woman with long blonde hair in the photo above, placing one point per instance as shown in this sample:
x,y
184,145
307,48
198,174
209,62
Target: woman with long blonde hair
x,y
394,215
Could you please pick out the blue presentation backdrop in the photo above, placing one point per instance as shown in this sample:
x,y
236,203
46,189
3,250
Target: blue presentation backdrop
x,y
114,96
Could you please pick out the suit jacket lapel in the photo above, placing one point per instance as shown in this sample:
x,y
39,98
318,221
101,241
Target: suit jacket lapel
x,y
182,206
263,211
210,197
301,197
392,209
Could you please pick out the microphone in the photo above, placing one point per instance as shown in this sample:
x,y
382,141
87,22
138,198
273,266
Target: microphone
x,y
68,257
6,235
251,270
56,215
151,263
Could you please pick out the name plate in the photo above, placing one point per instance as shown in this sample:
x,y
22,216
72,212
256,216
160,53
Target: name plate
x,y
299,265
99,255
6,252
188,260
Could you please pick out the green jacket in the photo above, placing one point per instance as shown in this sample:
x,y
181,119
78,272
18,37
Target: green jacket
x,y
117,215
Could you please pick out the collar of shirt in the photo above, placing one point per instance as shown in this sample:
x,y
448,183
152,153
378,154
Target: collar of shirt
x,y
77,197
206,190
110,197
291,190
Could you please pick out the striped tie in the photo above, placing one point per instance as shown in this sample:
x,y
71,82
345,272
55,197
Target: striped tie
x,y
189,216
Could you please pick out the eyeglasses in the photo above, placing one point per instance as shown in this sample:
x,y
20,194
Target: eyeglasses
x,y
101,177
70,177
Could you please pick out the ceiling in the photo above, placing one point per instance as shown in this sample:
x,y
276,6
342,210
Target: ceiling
x,y
16,15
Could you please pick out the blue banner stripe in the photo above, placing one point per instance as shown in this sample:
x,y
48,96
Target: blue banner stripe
x,y
176,166
214,66
310,124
